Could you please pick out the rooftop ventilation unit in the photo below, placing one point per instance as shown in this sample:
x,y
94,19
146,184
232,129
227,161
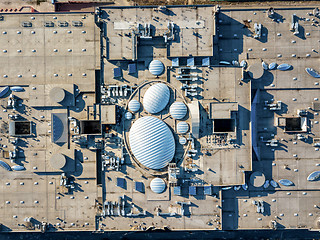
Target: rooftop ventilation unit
x,y
77,24
26,24
49,24
63,24
257,30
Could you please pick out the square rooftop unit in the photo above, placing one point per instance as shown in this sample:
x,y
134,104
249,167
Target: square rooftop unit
x,y
90,127
132,68
108,114
121,182
175,62
117,72
296,124
20,128
139,186
192,190
207,190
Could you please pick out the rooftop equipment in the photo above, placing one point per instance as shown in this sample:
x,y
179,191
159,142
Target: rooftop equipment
x,y
314,176
5,165
175,62
257,30
192,190
207,190
132,68
121,182
190,61
177,190
286,182
4,91
58,161
284,67
117,73
313,72
206,61
139,186
134,45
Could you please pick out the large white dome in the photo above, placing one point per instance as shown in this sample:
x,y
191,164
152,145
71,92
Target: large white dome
x,y
151,142
156,98
156,67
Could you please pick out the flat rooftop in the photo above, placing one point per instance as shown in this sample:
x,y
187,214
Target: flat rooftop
x,y
50,52
244,138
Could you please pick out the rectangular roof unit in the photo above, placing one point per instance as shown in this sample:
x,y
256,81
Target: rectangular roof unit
x,y
192,190
139,186
296,124
222,110
90,127
63,24
206,61
26,24
195,114
77,23
207,190
117,72
315,106
121,182
59,127
20,128
190,61
49,24
177,190
108,114
132,68
175,62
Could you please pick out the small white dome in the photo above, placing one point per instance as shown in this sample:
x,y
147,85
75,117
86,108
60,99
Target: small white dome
x,y
157,185
134,105
156,98
128,115
156,67
178,110
182,127
182,140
